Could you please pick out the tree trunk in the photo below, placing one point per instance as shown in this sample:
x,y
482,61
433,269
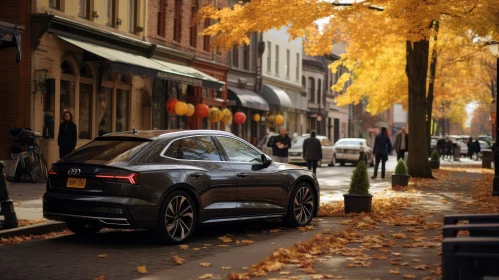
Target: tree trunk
x,y
417,70
431,86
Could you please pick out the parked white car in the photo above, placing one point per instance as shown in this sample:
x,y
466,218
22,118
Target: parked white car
x,y
296,150
348,150
265,145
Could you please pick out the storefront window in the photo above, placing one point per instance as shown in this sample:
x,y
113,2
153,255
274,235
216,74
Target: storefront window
x,y
104,111
122,110
85,111
67,97
49,109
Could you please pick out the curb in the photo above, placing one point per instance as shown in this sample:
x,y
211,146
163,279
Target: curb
x,y
33,229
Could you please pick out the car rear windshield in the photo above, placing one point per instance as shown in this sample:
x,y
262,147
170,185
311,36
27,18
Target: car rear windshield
x,y
349,142
109,152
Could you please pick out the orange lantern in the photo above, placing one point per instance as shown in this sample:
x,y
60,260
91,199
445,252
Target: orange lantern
x,y
180,108
190,110
279,119
256,117
239,118
170,105
202,110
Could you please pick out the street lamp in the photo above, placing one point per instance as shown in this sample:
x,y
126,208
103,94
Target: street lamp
x,y
493,47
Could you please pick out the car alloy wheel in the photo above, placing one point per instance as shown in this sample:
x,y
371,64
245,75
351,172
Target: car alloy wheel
x,y
303,205
179,218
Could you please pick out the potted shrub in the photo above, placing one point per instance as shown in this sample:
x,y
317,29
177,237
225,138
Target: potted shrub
x,y
400,178
435,160
358,199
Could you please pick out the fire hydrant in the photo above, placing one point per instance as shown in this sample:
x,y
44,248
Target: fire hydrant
x,y
6,204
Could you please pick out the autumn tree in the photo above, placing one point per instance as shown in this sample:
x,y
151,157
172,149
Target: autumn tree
x,y
480,123
406,23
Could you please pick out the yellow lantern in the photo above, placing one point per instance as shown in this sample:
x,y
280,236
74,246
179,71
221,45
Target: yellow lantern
x,y
226,115
190,110
215,115
256,117
279,119
180,108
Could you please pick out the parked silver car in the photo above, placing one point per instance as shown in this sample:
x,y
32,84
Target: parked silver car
x,y
348,150
296,150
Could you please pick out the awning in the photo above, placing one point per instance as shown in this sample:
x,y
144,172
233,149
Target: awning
x,y
123,62
10,37
275,96
247,98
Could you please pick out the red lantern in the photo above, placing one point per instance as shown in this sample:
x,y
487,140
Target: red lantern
x,y
202,110
239,118
170,105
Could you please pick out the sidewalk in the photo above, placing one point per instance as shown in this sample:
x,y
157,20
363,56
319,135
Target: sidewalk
x,y
27,199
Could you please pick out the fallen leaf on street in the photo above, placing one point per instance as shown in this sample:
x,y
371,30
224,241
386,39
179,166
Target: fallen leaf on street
x,y
248,242
142,269
183,247
409,276
196,249
273,243
238,276
226,267
317,277
205,264
178,260
225,239
416,260
391,271
102,277
285,272
399,236
206,276
275,230
419,267
102,256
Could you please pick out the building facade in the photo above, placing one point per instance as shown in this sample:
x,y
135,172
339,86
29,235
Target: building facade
x,y
281,75
314,71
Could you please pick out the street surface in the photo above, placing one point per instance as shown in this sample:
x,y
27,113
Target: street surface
x,y
72,257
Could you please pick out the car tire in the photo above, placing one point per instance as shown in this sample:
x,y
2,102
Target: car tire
x,y
176,226
301,207
83,228
342,163
333,162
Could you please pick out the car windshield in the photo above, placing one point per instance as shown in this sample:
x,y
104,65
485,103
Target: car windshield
x,y
298,141
349,142
105,152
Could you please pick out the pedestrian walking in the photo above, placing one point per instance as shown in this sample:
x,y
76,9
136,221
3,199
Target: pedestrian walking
x,y
312,151
67,135
280,146
477,149
470,147
382,147
402,143
450,149
441,143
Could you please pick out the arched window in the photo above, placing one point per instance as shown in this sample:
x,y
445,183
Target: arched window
x,y
123,83
177,20
104,119
303,82
311,90
67,89
194,27
319,91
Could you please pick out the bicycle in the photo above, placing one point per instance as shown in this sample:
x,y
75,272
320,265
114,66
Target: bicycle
x,y
30,164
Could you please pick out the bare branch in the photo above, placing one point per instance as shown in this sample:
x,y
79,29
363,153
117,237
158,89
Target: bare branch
x,y
350,4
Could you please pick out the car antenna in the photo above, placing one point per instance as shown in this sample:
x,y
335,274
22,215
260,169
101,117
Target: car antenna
x,y
134,131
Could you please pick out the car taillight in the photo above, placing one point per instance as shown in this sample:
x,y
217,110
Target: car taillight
x,y
132,178
52,172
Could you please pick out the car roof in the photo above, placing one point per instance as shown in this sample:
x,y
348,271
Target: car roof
x,y
161,134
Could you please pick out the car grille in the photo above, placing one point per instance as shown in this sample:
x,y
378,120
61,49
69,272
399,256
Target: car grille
x,y
347,151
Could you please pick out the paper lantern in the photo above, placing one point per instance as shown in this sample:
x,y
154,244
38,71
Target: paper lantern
x,y
190,110
227,115
239,117
215,115
170,105
180,108
256,117
202,110
279,119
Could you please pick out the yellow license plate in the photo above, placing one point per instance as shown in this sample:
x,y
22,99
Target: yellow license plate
x,y
77,183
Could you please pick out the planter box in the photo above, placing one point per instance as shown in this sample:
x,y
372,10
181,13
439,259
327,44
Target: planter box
x,y
435,164
400,180
356,203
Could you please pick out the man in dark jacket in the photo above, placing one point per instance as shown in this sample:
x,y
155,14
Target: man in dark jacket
x,y
67,135
402,143
280,146
382,147
477,149
441,145
312,151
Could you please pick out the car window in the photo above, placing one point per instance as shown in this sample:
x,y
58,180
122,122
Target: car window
x,y
271,140
298,141
105,151
193,148
238,151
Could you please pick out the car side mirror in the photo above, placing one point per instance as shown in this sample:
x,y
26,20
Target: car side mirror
x,y
266,160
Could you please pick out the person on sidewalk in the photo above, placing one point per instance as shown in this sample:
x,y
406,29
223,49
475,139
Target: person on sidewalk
x,y
402,143
280,146
382,147
477,149
67,135
470,147
441,147
450,149
312,151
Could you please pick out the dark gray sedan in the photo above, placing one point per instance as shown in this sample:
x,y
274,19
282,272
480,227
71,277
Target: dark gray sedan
x,y
172,181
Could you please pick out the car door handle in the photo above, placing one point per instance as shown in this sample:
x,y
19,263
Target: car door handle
x,y
242,175
196,174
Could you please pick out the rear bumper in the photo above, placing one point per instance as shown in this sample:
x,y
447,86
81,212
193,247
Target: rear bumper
x,y
117,212
348,157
